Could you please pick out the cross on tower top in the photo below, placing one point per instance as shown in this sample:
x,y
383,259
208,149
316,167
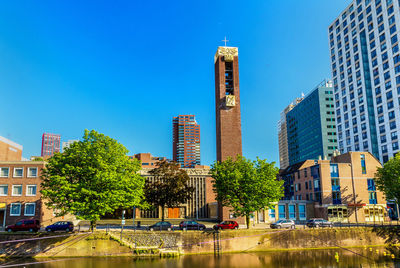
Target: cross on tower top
x,y
225,40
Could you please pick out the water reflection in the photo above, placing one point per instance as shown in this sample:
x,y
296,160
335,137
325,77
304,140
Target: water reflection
x,y
316,258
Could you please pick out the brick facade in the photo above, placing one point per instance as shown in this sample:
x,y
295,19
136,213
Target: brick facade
x,y
147,160
20,188
342,188
9,150
228,121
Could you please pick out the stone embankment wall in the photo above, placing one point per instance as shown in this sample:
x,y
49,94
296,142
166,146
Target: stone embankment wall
x,y
247,241
191,242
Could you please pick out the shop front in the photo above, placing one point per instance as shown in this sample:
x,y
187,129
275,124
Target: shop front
x,y
338,213
375,213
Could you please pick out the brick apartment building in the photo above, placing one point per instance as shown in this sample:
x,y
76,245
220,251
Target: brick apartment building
x,y
20,180
20,196
342,189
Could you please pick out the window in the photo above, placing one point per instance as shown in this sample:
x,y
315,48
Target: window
x,y
272,214
18,172
395,146
336,197
363,166
372,197
17,190
4,172
32,172
334,170
302,212
4,190
394,135
335,185
31,190
371,185
15,209
282,211
30,209
292,212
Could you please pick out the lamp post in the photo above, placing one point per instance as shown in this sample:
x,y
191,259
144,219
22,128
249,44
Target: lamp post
x,y
354,191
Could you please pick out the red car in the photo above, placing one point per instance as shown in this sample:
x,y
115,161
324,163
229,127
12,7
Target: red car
x,y
226,225
24,225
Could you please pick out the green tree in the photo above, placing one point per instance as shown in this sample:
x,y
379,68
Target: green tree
x,y
387,178
246,186
92,177
169,188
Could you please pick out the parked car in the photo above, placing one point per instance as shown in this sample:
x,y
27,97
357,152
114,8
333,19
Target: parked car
x,y
191,225
60,226
24,225
161,225
315,223
283,224
226,225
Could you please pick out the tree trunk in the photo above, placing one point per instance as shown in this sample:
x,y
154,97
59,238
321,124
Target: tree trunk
x,y
162,213
248,221
92,225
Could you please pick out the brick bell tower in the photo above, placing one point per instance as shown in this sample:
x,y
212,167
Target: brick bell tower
x,y
227,109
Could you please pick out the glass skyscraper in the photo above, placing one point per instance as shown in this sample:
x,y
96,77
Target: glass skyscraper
x,y
311,127
366,76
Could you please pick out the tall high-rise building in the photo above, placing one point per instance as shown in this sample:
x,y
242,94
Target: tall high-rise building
x,y
227,109
282,135
311,127
186,141
366,75
68,143
50,144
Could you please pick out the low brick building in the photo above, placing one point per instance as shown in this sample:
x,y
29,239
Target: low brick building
x,y
20,196
342,189
9,150
147,160
202,204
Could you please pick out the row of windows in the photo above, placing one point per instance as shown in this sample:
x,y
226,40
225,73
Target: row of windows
x,y
18,172
29,209
31,190
395,147
368,9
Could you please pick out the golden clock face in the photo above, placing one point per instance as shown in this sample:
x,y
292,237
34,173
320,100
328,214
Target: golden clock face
x,y
230,101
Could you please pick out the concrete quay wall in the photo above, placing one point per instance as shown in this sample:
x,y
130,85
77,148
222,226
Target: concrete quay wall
x,y
190,242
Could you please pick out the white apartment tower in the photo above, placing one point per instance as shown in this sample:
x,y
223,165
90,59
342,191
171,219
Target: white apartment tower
x,y
366,75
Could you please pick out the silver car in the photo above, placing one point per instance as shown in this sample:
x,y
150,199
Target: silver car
x,y
283,224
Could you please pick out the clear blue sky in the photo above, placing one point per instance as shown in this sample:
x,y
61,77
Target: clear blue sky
x,y
125,68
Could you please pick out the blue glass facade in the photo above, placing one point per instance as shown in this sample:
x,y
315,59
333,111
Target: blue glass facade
x,y
311,126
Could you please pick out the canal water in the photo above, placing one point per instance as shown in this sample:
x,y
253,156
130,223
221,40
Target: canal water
x,y
364,257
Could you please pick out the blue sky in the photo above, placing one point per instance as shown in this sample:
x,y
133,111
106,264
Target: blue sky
x,y
125,68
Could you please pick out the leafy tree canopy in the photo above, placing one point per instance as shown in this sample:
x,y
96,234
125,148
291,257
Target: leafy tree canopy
x,y
169,188
92,177
246,186
387,178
